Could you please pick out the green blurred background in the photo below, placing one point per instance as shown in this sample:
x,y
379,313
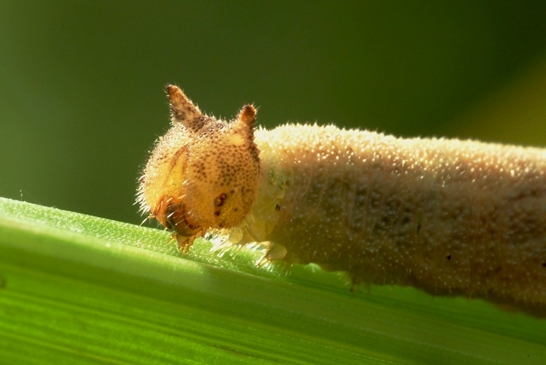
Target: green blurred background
x,y
81,82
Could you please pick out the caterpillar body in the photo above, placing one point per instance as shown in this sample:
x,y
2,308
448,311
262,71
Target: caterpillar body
x,y
450,217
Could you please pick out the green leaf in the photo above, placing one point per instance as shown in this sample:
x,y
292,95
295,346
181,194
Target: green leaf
x,y
77,289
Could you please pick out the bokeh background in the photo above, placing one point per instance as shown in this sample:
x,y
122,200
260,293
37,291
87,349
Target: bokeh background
x,y
81,82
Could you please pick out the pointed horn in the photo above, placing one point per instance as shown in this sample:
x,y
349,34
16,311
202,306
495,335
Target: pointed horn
x,y
247,115
246,122
182,109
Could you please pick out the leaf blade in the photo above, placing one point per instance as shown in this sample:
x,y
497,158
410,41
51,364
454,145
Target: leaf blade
x,y
84,290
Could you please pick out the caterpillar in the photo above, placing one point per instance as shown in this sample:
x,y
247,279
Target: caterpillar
x,y
446,216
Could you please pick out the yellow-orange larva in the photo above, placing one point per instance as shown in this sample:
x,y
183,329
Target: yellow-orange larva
x,y
450,217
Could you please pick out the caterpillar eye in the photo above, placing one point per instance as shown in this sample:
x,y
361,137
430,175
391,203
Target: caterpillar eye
x,y
219,201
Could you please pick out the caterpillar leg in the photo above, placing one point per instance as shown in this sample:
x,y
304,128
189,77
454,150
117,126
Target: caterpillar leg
x,y
355,283
184,242
275,251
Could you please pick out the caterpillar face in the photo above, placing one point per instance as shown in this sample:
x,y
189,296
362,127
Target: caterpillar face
x,y
449,217
203,173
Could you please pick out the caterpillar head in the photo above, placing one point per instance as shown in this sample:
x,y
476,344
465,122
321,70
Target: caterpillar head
x,y
203,173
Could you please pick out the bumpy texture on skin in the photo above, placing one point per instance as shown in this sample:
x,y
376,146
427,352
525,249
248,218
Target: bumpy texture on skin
x,y
446,216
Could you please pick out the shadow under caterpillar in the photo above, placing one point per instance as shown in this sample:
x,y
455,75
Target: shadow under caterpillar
x,y
450,217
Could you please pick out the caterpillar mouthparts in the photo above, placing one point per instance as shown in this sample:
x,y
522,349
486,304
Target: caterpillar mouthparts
x,y
449,217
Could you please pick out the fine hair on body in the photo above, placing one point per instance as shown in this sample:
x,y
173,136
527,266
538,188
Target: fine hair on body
x,y
447,216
